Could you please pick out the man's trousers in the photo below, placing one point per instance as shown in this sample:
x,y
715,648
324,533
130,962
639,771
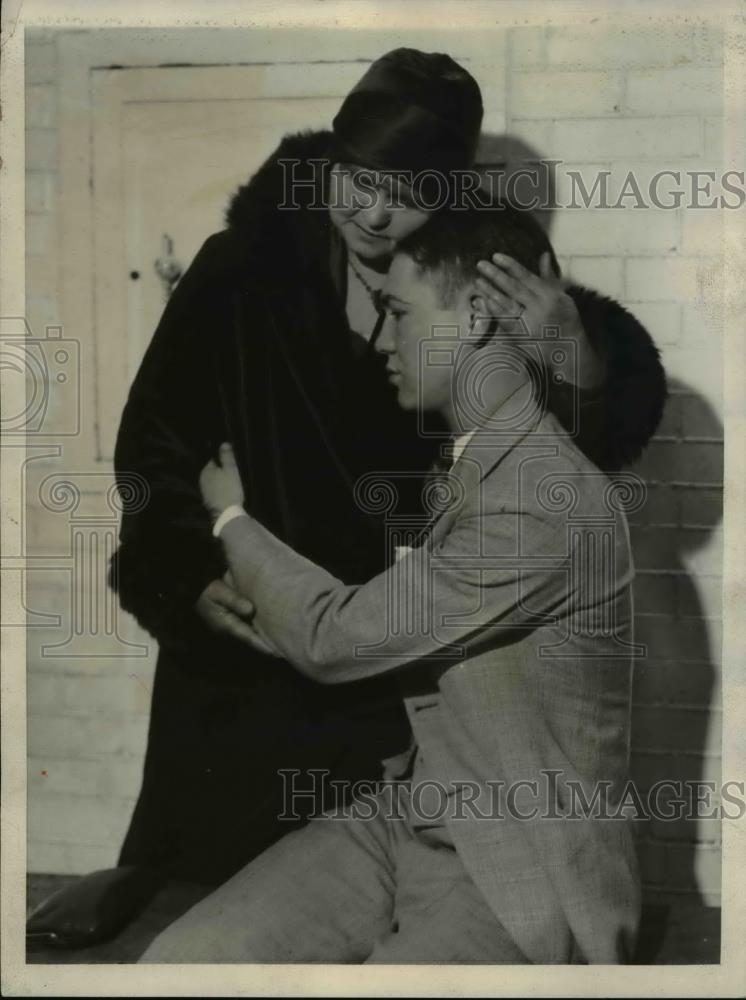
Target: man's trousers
x,y
345,890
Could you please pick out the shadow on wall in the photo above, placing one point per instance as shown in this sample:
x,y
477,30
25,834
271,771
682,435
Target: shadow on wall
x,y
513,170
676,699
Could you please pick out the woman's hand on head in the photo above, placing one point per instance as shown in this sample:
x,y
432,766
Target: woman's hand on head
x,y
528,305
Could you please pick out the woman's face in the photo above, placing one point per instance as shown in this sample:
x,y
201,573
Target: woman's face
x,y
372,210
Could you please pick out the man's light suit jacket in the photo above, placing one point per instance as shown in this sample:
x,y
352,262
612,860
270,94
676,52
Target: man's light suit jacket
x,y
510,629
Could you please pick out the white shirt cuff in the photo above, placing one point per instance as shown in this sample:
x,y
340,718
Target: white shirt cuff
x,y
229,514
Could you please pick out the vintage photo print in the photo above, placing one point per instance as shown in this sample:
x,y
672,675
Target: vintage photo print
x,y
373,384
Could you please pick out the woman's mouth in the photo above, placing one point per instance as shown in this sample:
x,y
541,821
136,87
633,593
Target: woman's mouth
x,y
371,236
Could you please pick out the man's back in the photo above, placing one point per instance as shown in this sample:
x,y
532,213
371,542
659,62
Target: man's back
x,y
538,701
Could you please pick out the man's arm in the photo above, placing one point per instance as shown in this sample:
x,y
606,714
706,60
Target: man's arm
x,y
471,588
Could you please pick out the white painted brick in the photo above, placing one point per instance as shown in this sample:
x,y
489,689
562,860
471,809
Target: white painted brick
x,y
46,534
686,90
40,189
67,695
626,138
40,62
41,274
702,230
708,42
43,311
41,149
616,45
80,819
665,279
39,234
527,46
598,231
45,858
534,138
713,137
41,106
565,94
702,323
697,370
50,736
116,777
662,320
603,274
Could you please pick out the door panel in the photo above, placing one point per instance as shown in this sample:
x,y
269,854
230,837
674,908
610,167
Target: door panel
x,y
165,162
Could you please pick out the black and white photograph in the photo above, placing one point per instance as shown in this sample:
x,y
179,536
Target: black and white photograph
x,y
374,396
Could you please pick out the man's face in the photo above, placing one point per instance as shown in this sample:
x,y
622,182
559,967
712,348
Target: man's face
x,y
421,338
372,211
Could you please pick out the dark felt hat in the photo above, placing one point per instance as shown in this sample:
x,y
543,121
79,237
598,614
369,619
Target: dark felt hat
x,y
411,110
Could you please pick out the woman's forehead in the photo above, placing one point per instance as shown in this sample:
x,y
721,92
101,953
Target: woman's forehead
x,y
380,178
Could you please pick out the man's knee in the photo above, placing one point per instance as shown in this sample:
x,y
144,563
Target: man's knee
x,y
208,942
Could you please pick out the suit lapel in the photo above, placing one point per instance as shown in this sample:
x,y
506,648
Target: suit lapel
x,y
487,448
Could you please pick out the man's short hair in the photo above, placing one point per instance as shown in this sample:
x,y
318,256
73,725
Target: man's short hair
x,y
452,241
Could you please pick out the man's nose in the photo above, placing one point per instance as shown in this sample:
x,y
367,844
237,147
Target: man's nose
x,y
378,215
385,340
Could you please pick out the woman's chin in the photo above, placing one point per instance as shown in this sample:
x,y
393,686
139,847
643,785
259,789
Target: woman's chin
x,y
370,248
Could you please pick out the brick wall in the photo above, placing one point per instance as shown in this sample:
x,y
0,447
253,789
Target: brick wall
x,y
635,99
87,714
647,100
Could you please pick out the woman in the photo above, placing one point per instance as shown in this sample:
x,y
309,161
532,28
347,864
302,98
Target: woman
x,y
266,342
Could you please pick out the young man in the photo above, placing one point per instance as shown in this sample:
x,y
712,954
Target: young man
x,y
508,629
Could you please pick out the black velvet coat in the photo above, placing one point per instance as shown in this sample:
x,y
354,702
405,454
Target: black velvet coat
x,y
253,347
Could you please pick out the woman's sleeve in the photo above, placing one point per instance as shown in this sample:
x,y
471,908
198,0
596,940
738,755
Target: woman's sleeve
x,y
167,554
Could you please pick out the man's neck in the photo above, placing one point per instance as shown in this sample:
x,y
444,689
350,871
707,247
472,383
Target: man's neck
x,y
464,420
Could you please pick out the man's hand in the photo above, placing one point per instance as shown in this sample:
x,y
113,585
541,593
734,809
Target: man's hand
x,y
524,301
221,485
229,613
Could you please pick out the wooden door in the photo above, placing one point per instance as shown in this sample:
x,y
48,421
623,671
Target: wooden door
x,y
170,145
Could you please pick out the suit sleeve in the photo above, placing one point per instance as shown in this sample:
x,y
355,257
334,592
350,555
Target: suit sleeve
x,y
167,553
470,588
612,424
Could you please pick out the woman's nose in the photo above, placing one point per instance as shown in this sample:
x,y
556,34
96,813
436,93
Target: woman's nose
x,y
378,215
